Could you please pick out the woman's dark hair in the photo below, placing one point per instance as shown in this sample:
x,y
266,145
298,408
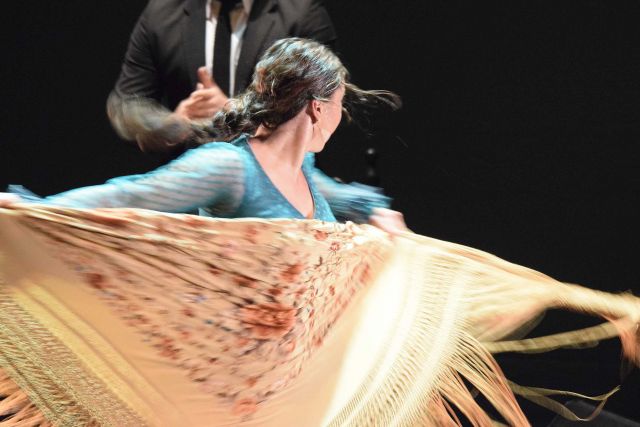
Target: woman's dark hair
x,y
292,72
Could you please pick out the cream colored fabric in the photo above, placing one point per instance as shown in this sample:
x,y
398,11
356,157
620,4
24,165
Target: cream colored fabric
x,y
127,317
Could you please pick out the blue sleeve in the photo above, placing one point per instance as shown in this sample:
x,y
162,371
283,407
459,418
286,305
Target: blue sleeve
x,y
211,175
348,202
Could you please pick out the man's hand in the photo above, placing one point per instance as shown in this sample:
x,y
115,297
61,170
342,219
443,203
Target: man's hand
x,y
204,102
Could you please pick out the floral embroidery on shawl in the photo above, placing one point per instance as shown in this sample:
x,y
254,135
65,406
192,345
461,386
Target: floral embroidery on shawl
x,y
241,327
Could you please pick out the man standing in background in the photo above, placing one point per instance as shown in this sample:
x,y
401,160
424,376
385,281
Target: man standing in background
x,y
186,57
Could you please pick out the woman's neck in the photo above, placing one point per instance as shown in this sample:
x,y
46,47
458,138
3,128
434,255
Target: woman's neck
x,y
283,148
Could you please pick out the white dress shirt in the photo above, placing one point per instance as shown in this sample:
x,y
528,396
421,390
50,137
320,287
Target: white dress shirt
x,y
239,18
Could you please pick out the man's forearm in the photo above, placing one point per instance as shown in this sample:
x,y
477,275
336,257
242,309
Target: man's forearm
x,y
153,127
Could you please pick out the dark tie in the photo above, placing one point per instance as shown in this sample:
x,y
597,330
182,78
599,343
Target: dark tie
x,y
222,46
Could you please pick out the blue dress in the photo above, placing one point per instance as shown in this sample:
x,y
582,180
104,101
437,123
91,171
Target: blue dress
x,y
224,179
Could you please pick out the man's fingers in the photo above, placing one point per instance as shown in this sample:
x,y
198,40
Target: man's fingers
x,y
203,109
205,103
205,78
204,114
205,93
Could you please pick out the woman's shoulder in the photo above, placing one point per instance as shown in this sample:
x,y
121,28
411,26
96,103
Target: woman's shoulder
x,y
232,148
218,146
212,157
236,145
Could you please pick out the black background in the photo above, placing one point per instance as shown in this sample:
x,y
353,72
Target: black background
x,y
518,134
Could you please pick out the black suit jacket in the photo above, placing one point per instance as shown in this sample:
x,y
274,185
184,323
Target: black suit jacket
x,y
167,46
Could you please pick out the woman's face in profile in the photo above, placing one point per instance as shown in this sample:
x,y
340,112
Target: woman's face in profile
x,y
334,109
329,119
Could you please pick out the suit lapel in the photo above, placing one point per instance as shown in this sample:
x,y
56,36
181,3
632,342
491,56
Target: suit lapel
x,y
193,32
260,24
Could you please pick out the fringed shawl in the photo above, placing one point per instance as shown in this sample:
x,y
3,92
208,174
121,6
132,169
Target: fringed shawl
x,y
128,318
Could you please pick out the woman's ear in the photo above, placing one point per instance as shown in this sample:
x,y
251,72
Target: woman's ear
x,y
314,110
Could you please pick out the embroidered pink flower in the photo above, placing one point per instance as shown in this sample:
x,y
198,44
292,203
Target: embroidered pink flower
x,y
245,282
250,234
318,340
320,235
244,407
194,220
215,271
275,291
241,342
251,381
365,274
96,280
289,347
106,218
269,320
291,273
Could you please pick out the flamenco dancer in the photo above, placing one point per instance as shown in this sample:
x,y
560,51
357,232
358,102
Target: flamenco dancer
x,y
264,310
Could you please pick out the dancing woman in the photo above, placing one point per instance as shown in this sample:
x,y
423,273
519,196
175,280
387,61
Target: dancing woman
x,y
271,314
290,110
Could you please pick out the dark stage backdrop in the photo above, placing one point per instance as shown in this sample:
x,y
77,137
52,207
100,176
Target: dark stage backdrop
x,y
518,134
